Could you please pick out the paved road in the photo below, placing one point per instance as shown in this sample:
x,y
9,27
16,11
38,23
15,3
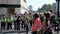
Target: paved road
x,y
12,31
22,32
25,33
9,32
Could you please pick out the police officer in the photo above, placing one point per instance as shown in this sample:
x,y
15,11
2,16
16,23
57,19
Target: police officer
x,y
9,24
26,25
0,19
3,24
15,22
30,18
23,22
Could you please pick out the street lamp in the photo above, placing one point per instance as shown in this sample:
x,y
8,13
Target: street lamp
x,y
58,12
58,1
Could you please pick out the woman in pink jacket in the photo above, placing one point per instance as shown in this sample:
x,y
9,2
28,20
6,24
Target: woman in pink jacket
x,y
36,26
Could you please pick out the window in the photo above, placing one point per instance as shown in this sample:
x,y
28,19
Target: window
x,y
25,1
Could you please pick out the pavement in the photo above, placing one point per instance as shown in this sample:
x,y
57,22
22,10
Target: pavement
x,y
14,32
22,31
19,33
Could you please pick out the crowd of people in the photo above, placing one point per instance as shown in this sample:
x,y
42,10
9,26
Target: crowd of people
x,y
43,23
22,21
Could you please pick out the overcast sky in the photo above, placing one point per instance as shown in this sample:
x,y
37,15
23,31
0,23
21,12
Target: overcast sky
x,y
39,3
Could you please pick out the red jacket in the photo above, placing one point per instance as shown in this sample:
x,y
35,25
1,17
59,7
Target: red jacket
x,y
37,24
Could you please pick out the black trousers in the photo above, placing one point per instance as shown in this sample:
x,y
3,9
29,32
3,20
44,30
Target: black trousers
x,y
34,32
18,26
15,25
23,24
27,29
31,23
48,32
9,25
3,24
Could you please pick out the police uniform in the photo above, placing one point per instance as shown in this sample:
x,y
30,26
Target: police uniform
x,y
30,18
23,22
26,25
3,24
9,24
15,22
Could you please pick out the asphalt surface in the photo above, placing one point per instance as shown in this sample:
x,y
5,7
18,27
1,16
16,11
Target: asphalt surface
x,y
14,32
22,31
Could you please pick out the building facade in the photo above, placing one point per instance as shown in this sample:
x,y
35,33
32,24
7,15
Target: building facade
x,y
24,7
13,6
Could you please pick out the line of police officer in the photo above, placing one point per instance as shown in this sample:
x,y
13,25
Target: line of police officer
x,y
7,21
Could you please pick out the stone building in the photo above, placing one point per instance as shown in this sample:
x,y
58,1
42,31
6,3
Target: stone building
x,y
13,6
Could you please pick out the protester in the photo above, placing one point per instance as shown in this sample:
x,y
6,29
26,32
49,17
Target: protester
x,y
53,21
36,26
18,23
41,17
47,24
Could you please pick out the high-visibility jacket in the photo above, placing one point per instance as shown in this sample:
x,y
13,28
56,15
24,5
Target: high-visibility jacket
x,y
23,18
30,17
36,24
3,19
9,20
15,18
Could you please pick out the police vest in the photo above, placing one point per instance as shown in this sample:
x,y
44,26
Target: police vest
x,y
9,20
2,19
23,19
15,18
30,18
